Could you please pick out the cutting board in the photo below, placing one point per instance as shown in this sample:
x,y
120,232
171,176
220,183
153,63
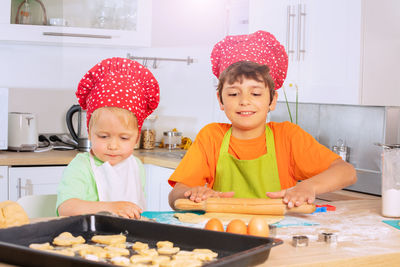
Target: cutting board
x,y
168,217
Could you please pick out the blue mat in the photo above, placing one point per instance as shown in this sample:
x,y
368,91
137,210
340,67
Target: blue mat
x,y
168,217
394,223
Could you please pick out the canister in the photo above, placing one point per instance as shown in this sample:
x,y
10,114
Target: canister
x,y
172,139
391,182
148,137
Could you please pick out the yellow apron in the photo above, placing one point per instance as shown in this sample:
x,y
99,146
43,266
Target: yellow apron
x,y
247,178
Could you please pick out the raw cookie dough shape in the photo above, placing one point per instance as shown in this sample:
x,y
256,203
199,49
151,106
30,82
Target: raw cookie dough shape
x,y
109,239
43,246
67,239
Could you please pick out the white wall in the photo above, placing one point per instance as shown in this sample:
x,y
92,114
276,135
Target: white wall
x,y
43,79
188,92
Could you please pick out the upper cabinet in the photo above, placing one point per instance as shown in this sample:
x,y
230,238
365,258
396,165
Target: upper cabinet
x,y
340,52
113,23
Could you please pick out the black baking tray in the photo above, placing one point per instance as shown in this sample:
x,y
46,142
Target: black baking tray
x,y
232,249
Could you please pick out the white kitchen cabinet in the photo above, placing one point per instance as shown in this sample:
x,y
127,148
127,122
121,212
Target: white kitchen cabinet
x,y
157,187
25,181
3,183
340,52
93,23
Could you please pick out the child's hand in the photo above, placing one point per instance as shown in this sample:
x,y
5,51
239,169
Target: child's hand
x,y
295,196
200,193
125,209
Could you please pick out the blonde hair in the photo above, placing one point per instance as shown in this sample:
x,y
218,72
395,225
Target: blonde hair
x,y
127,118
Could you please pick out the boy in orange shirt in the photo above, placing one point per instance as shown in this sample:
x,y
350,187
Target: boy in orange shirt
x,y
251,158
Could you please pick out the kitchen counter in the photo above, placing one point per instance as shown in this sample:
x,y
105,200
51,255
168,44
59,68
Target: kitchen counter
x,y
363,239
160,157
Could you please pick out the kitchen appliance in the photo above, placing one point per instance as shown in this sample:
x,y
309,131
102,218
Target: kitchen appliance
x,y
80,136
22,131
3,118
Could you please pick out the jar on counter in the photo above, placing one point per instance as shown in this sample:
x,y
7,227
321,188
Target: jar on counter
x,y
172,140
148,137
391,182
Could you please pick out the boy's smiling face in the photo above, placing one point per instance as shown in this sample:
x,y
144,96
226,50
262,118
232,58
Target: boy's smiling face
x,y
246,104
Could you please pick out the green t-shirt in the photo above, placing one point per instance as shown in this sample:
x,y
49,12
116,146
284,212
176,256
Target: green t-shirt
x,y
78,179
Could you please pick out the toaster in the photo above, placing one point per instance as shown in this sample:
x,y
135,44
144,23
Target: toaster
x,y
22,131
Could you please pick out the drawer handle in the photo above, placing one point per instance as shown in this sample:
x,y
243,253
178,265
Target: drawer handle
x,y
77,35
28,188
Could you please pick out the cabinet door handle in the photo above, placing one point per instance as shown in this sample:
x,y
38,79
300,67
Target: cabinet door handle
x,y
78,35
289,27
28,187
19,187
301,29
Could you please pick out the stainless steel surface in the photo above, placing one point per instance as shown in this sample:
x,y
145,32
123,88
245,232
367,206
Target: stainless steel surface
x,y
188,60
272,230
289,28
302,31
329,238
171,133
388,146
84,145
299,29
173,154
80,35
359,126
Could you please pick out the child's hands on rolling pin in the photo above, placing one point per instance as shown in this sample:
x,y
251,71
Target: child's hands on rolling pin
x,y
200,193
295,196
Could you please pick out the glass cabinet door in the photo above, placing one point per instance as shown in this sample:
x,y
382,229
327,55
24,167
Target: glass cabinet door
x,y
112,23
98,14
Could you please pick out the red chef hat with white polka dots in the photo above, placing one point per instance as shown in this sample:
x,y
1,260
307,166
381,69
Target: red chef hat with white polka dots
x,y
260,47
119,82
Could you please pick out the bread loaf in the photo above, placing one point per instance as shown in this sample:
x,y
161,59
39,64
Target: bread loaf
x,y
12,214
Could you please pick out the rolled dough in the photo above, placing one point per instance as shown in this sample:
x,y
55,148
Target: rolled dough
x,y
225,218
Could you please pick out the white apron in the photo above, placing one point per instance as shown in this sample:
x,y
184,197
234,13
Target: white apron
x,y
120,182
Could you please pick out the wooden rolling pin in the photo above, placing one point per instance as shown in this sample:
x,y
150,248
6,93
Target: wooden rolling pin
x,y
243,206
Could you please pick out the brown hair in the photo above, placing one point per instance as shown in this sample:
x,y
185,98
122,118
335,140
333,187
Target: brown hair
x,y
249,70
125,116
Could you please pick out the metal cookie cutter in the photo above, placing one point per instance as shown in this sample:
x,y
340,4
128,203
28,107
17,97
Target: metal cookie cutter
x,y
272,230
329,238
300,241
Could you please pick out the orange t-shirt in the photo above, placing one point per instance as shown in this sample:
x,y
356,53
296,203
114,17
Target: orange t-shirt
x,y
298,155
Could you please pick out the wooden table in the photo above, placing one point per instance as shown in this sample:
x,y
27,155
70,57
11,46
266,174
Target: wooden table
x,y
363,239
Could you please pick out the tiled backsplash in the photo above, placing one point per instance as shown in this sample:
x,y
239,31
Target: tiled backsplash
x,y
359,126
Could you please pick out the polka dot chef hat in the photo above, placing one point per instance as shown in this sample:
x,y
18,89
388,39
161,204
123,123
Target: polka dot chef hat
x,y
119,82
260,47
